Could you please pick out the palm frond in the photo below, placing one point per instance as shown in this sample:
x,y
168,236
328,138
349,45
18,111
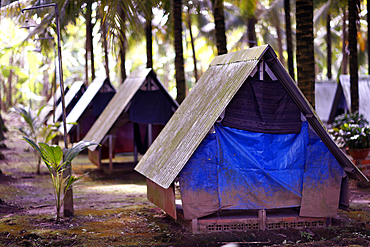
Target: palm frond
x,y
76,149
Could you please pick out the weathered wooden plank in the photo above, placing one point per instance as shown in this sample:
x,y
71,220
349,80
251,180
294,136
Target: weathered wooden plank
x,y
163,198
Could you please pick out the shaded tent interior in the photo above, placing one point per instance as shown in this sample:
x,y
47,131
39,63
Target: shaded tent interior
x,y
131,121
246,144
54,100
71,98
88,108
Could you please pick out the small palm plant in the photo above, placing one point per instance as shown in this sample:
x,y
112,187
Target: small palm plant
x,y
35,129
53,158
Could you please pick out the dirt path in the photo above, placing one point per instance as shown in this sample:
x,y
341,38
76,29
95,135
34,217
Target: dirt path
x,y
34,193
112,210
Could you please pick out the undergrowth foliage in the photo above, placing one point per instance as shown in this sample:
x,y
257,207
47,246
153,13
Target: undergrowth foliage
x,y
35,129
56,161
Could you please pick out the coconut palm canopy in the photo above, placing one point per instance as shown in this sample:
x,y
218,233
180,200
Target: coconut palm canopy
x,y
117,42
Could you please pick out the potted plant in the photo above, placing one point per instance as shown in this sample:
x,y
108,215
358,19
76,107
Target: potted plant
x,y
352,131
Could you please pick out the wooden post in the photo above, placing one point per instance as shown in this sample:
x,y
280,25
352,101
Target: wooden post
x,y
262,219
99,161
150,135
78,132
261,69
110,140
194,226
135,151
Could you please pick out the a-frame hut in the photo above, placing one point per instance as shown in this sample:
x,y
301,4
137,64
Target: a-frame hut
x,y
88,108
70,99
132,119
248,150
48,108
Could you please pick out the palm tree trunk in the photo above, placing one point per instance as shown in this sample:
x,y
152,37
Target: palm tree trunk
x,y
45,88
218,13
288,28
89,42
179,58
344,46
328,42
353,62
305,49
252,39
122,55
105,47
279,40
149,37
122,40
192,46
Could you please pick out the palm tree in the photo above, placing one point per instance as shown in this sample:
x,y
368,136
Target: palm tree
x,y
218,13
149,36
189,23
89,43
305,49
328,41
288,31
122,44
353,63
179,58
344,45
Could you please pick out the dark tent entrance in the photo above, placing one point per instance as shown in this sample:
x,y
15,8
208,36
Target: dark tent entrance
x,y
148,112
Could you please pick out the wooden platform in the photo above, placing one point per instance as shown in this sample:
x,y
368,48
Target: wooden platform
x,y
244,220
118,166
119,162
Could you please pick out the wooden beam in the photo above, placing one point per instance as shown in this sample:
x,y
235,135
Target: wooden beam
x,y
163,198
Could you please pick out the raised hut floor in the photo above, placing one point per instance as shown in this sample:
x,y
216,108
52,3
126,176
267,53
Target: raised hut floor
x,y
122,162
244,220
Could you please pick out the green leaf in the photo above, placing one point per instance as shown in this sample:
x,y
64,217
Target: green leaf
x,y
75,150
51,136
30,120
33,144
53,154
39,111
71,180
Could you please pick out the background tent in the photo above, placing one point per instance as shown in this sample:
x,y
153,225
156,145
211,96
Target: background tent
x,y
88,108
71,98
363,91
245,139
132,119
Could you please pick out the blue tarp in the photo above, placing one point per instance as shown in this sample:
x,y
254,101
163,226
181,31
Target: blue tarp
x,y
239,169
